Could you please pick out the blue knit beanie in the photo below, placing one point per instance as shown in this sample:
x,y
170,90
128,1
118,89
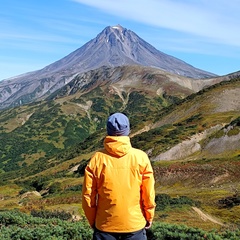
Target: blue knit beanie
x,y
118,125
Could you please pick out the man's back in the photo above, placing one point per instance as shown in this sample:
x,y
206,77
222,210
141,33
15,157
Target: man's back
x,y
118,189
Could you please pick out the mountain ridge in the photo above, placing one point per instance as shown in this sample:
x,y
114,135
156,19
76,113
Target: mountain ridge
x,y
114,46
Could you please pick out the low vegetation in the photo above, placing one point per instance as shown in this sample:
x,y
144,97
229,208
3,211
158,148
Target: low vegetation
x,y
45,146
20,226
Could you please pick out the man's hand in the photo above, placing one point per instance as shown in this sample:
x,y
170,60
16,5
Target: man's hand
x,y
148,225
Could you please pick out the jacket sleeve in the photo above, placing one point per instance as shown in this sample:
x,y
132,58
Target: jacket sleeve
x,y
89,195
148,192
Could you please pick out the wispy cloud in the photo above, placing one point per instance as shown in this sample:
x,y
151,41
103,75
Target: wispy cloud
x,y
216,20
44,32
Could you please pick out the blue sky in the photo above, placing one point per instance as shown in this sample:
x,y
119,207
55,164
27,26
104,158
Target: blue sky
x,y
203,33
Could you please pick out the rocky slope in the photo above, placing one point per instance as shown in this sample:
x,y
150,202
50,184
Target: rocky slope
x,y
114,46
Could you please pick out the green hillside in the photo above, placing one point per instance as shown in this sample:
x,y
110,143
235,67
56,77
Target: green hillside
x,y
191,139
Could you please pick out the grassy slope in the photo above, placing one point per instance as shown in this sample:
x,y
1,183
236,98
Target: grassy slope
x,y
203,179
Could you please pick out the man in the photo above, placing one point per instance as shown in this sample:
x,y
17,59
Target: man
x,y
118,189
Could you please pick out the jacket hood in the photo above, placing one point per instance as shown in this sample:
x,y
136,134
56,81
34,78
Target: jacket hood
x,y
117,145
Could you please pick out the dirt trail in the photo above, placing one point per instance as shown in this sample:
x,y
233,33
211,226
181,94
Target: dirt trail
x,y
205,216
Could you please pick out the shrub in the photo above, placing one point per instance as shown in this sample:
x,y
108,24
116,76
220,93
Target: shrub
x,y
230,201
81,167
19,226
54,187
51,214
164,200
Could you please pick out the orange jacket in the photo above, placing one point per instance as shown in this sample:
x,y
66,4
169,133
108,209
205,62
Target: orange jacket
x,y
118,189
